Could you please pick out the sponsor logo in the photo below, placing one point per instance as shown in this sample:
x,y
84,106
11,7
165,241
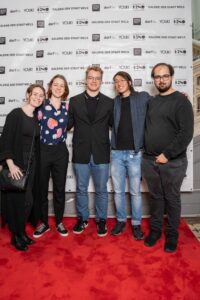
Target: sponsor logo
x,y
137,82
39,53
95,7
82,22
137,51
2,40
14,70
164,51
14,40
3,11
40,82
80,83
28,39
13,100
40,23
179,21
180,51
137,21
12,11
42,39
28,69
181,82
67,22
164,21
67,52
123,67
124,37
138,6
2,100
41,69
139,37
43,9
2,70
53,23
139,67
81,52
95,37
53,53
28,10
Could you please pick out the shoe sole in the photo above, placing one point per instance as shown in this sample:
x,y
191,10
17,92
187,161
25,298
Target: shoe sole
x,y
79,232
146,244
63,234
118,232
38,236
103,234
138,239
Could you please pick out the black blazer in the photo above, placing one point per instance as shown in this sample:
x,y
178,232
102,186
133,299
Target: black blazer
x,y
90,138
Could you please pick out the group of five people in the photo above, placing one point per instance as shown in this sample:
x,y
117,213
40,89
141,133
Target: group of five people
x,y
149,138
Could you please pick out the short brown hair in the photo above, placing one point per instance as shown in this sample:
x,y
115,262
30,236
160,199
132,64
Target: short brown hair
x,y
93,68
171,69
66,92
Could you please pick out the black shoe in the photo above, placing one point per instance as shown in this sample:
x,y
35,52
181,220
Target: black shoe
x,y
137,232
18,243
41,230
101,227
152,238
62,230
171,244
118,228
27,240
80,226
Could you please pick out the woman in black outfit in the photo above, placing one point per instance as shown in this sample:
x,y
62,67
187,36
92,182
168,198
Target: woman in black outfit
x,y
15,144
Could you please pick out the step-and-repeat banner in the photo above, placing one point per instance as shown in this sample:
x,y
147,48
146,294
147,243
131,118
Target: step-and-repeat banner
x,y
41,38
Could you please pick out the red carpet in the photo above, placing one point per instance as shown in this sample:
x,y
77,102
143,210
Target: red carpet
x,y
88,267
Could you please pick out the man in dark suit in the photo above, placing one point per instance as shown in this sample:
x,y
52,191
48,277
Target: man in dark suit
x,y
91,114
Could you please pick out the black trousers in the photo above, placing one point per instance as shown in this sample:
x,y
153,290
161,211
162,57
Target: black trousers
x,y
164,183
54,161
17,205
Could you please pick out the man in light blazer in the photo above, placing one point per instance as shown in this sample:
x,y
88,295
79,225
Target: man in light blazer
x,y
91,115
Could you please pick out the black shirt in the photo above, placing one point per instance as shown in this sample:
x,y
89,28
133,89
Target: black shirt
x,y
125,139
91,103
169,125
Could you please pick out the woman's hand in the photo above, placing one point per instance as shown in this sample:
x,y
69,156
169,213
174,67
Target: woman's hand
x,y
15,171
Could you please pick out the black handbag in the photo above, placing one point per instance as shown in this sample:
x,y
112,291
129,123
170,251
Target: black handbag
x,y
7,183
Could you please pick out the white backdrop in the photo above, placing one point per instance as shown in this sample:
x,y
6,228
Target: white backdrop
x,y
41,38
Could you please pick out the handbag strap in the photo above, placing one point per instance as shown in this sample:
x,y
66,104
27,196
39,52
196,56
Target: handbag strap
x,y
30,154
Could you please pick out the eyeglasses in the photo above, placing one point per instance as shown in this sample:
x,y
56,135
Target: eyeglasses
x,y
164,77
119,81
94,78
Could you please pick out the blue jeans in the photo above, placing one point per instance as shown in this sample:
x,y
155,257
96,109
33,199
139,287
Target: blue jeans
x,y
99,174
127,162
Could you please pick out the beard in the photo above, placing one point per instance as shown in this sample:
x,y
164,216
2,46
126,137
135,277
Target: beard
x,y
162,88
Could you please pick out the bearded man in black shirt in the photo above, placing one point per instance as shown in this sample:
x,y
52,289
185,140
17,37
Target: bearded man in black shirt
x,y
168,132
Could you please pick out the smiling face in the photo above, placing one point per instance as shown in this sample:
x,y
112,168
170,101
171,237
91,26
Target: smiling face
x,y
122,86
58,88
36,97
93,81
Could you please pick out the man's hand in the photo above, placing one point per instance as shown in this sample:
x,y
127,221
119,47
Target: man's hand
x,y
161,159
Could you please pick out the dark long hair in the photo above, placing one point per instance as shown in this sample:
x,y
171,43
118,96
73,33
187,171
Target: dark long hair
x,y
127,77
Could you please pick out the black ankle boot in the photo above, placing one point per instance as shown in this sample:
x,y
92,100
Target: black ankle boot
x,y
26,239
18,243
